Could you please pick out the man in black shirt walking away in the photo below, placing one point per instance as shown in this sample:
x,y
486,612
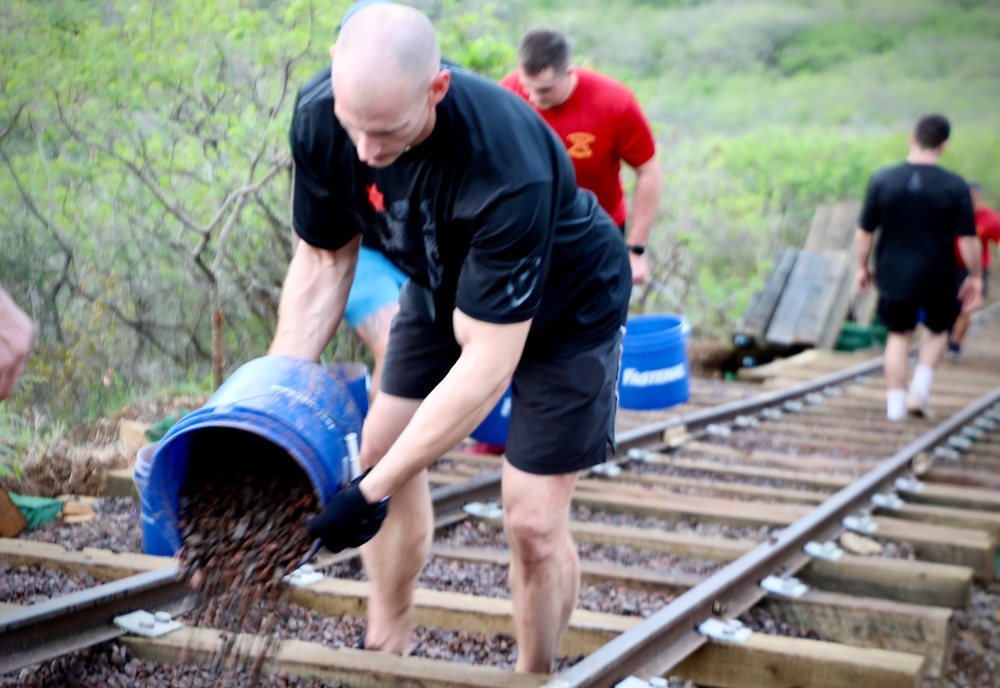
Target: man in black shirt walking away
x,y
921,209
514,275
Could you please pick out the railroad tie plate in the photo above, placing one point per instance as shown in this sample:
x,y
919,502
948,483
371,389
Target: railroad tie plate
x,y
303,577
827,550
730,631
143,623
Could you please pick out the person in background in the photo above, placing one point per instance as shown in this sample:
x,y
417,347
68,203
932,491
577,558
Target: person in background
x,y
921,208
516,278
16,333
601,124
988,230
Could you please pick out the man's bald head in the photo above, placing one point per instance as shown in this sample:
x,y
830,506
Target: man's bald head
x,y
386,44
387,81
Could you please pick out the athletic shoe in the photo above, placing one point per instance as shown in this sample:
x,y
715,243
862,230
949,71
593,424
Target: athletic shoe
x,y
918,406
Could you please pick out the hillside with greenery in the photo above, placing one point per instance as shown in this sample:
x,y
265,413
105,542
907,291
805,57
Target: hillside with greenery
x,y
144,176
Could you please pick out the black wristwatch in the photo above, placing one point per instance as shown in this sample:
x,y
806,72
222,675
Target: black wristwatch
x,y
637,249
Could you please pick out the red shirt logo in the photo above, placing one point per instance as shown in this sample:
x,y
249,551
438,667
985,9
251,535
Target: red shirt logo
x,y
375,197
579,145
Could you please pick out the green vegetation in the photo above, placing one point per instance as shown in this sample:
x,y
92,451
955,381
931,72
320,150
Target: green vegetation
x,y
144,164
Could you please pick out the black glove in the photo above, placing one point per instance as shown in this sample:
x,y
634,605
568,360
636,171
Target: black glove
x,y
348,520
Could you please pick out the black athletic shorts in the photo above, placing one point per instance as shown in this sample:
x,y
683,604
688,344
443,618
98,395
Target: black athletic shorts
x,y
563,406
937,310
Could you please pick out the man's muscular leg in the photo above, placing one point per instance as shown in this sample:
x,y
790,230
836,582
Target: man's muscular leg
x,y
545,569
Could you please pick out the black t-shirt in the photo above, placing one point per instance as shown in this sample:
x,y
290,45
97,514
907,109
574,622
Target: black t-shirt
x,y
485,213
921,209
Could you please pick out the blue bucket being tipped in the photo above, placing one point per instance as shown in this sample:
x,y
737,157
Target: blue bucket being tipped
x,y
493,429
654,371
275,405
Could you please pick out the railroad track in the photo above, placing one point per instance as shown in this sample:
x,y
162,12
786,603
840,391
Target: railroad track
x,y
868,535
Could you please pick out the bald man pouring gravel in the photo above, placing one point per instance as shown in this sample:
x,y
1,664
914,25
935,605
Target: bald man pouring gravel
x,y
515,275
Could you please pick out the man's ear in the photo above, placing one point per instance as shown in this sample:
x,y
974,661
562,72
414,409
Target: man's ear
x,y
439,85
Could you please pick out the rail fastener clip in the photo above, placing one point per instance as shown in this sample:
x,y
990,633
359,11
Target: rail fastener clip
x,y
488,511
962,444
731,631
143,623
889,502
860,524
827,550
909,485
785,587
303,577
772,413
607,469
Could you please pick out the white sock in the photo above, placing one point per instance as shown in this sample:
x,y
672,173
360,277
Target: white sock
x,y
895,404
920,385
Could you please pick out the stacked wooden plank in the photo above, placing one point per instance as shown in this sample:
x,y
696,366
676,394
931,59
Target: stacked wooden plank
x,y
810,293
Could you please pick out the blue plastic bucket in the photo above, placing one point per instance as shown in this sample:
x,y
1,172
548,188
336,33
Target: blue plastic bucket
x,y
286,403
654,371
493,429
153,541
356,378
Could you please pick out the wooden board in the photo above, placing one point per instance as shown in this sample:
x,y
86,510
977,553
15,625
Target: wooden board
x,y
757,316
870,622
357,668
833,226
775,662
947,544
840,304
587,631
811,297
919,582
683,544
97,562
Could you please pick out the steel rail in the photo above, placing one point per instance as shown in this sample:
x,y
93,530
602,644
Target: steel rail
x,y
71,622
487,486
55,627
667,637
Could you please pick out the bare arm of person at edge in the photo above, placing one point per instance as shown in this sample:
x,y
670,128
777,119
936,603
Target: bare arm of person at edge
x,y
313,299
971,291
472,387
863,243
645,202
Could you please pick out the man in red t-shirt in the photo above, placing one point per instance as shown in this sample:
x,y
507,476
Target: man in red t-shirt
x,y
601,124
988,229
